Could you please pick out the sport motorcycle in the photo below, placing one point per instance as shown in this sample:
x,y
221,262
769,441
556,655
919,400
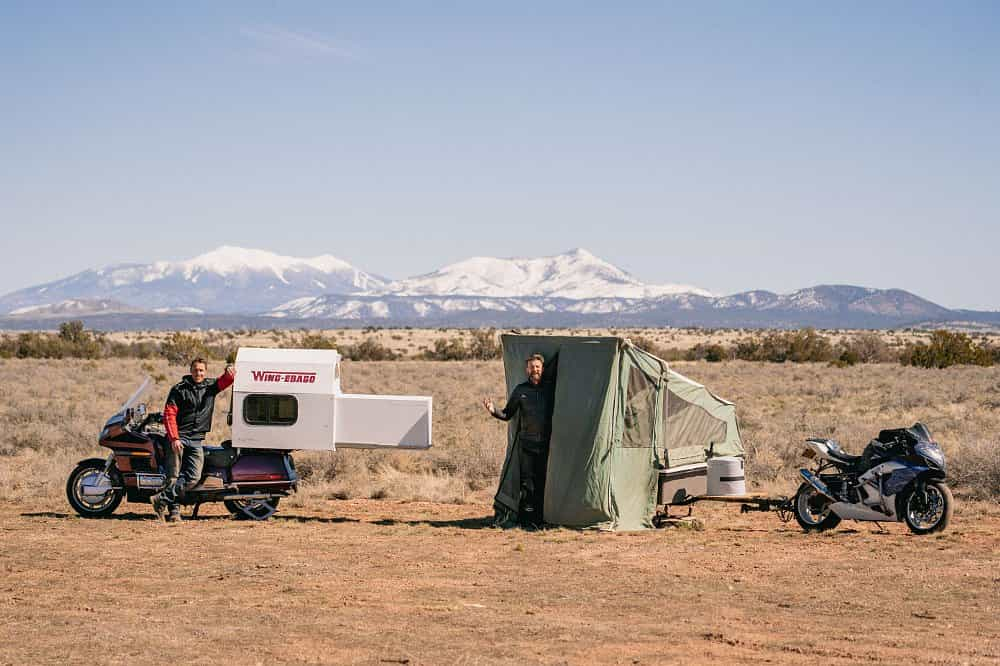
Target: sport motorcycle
x,y
900,476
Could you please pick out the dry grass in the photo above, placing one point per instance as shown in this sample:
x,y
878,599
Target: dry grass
x,y
51,411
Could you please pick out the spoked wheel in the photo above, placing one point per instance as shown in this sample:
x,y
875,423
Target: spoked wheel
x,y
928,509
91,492
252,509
812,510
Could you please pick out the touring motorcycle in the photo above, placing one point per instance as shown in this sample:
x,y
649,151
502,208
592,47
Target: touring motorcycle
x,y
250,482
900,476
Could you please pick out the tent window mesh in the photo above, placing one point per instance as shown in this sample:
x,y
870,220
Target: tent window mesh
x,y
640,410
687,424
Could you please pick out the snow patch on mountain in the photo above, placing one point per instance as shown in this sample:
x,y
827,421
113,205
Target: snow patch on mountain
x,y
577,274
226,280
72,307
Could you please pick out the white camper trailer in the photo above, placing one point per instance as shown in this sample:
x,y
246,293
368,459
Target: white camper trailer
x,y
291,399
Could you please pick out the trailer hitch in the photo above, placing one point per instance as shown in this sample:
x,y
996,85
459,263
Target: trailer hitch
x,y
782,505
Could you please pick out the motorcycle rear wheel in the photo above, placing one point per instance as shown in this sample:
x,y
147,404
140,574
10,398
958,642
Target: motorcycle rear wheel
x,y
929,511
236,507
91,472
812,510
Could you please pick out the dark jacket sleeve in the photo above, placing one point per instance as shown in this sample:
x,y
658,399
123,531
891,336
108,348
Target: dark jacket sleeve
x,y
508,412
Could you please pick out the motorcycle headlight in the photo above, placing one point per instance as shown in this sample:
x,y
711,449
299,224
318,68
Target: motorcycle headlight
x,y
932,452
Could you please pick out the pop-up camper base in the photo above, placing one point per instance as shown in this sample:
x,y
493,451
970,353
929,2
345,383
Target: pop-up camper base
x,y
291,399
620,416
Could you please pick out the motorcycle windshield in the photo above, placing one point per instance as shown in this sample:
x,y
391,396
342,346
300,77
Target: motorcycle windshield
x,y
920,432
135,397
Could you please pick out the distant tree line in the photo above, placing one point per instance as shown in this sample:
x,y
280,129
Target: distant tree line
x,y
73,341
942,349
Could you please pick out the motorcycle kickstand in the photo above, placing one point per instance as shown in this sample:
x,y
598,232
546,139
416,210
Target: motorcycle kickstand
x,y
194,512
881,530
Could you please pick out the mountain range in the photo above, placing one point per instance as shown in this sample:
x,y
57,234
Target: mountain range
x,y
232,286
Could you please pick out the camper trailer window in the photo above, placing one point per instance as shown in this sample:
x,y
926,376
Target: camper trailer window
x,y
270,410
640,410
688,424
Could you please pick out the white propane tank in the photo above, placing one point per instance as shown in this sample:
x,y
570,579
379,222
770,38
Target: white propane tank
x,y
726,477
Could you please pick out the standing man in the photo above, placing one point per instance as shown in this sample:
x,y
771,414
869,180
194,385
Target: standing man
x,y
187,416
533,401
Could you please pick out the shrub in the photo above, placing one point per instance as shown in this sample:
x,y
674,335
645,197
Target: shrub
x,y
72,341
142,350
945,349
485,345
369,349
180,348
804,346
447,350
866,347
713,353
315,341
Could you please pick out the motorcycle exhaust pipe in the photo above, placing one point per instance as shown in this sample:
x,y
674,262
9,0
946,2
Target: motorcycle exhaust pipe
x,y
817,483
251,497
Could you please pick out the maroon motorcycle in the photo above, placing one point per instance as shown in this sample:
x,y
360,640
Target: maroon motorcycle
x,y
250,482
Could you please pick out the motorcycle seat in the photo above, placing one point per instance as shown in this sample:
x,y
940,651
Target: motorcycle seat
x,y
843,457
837,453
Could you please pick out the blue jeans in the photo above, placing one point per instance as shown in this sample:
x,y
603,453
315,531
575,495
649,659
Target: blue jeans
x,y
192,463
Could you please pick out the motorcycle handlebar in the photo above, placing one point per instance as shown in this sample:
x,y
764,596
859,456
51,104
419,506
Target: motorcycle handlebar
x,y
152,417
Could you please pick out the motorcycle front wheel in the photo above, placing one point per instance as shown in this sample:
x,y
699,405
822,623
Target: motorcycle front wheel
x,y
91,492
928,509
812,510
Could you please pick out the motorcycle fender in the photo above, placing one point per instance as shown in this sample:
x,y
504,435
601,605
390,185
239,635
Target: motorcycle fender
x,y
931,475
922,477
109,467
104,461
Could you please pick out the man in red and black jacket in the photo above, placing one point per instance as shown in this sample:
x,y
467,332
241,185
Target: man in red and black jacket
x,y
187,416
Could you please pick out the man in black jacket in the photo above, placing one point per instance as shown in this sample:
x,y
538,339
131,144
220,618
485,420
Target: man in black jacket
x,y
187,416
533,402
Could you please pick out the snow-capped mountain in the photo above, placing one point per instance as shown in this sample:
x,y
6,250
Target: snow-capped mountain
x,y
836,298
577,274
231,285
225,280
830,306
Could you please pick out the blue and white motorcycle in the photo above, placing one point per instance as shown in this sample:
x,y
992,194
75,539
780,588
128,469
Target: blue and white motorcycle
x,y
899,477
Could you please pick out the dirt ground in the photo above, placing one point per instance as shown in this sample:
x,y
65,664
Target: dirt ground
x,y
388,582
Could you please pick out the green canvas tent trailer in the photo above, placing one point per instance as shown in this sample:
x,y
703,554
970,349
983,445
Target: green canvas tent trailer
x,y
621,415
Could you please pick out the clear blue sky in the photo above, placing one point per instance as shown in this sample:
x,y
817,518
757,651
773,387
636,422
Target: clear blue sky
x,y
730,145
